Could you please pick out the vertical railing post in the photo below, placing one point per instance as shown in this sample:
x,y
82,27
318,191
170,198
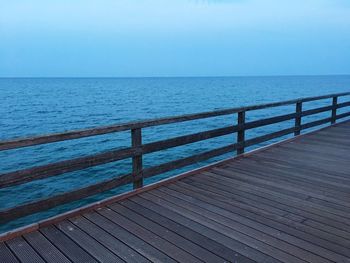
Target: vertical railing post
x,y
136,141
298,110
334,109
241,132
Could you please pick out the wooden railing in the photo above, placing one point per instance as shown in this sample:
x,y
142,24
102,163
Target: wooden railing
x,y
138,149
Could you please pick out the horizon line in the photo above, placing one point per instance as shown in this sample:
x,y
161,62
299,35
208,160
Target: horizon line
x,y
143,77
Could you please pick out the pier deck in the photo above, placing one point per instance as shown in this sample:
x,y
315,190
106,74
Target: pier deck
x,y
288,202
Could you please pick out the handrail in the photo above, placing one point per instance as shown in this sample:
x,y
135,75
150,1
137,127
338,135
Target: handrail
x,y
77,134
138,149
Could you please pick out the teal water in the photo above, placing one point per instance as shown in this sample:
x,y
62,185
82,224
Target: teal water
x,y
40,106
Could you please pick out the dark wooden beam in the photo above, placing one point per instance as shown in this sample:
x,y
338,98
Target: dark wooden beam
x,y
136,141
50,138
241,132
68,197
298,111
334,109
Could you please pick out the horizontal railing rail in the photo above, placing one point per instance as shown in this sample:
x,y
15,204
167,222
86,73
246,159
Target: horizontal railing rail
x,y
25,142
138,149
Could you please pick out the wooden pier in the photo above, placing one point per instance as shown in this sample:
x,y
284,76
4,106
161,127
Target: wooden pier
x,y
287,202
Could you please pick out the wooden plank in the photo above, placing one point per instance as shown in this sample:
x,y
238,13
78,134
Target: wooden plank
x,y
23,251
187,139
330,223
249,177
283,223
326,168
292,178
343,104
283,201
333,137
6,255
183,230
268,137
136,151
148,172
328,204
295,155
339,128
90,207
291,209
268,121
343,115
53,169
316,110
88,243
50,138
262,232
230,232
153,239
206,183
296,175
317,152
256,217
74,252
315,123
310,149
236,196
294,160
107,240
337,147
172,237
298,111
241,132
338,135
45,249
325,108
25,142
219,243
286,203
44,204
315,213
339,150
259,231
237,247
128,238
336,167
334,109
136,141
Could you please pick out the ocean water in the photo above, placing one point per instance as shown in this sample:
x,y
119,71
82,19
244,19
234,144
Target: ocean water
x,y
41,106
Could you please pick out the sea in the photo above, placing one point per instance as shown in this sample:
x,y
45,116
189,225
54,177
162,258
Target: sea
x,y
38,106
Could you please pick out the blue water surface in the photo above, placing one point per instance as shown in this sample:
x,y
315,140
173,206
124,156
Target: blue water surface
x,y
41,106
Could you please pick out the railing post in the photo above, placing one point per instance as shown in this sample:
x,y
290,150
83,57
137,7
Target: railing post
x,y
298,110
241,132
334,109
136,141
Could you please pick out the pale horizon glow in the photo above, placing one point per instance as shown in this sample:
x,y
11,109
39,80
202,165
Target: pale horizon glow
x,y
173,38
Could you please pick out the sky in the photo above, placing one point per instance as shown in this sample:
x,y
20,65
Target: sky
x,y
149,38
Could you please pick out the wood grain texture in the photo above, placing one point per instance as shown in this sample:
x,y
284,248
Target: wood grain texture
x,y
285,203
138,149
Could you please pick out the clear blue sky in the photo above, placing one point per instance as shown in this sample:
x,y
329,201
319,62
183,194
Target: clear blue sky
x,y
125,38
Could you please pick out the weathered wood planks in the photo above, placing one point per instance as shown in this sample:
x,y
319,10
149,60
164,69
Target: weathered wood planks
x,y
137,149
286,203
